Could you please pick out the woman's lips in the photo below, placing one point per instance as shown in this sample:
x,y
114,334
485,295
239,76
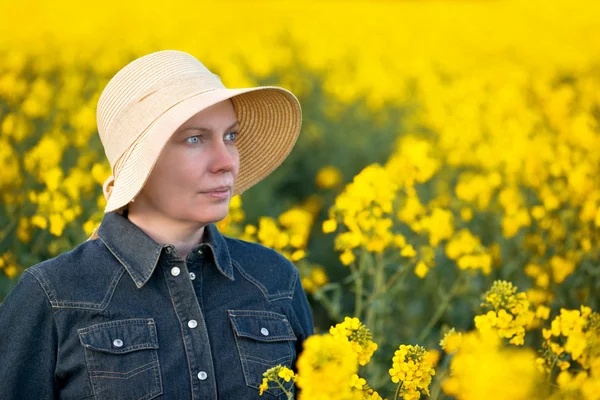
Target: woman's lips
x,y
220,193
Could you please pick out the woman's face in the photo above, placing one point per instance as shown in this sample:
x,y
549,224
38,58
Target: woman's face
x,y
194,176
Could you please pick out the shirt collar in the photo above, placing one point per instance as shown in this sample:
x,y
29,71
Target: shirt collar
x,y
139,253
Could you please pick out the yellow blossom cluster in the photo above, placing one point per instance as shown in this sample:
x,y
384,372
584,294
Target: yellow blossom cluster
x,y
466,249
412,371
439,225
578,385
510,312
481,368
358,335
326,359
370,208
8,264
314,279
288,234
282,377
574,337
451,341
364,207
333,358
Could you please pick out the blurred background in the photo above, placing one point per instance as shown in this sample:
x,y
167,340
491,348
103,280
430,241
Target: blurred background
x,y
456,140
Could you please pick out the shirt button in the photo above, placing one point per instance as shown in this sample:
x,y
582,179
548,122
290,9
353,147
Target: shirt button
x,y
175,271
264,331
202,375
199,252
168,250
192,323
192,276
118,343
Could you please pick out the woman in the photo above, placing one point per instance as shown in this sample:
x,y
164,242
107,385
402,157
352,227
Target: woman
x,y
157,303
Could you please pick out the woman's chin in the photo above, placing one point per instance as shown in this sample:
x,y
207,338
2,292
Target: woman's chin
x,y
210,214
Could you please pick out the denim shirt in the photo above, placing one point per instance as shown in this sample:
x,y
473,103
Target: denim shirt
x,y
123,317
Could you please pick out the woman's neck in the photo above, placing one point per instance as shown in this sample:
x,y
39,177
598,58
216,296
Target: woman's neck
x,y
183,235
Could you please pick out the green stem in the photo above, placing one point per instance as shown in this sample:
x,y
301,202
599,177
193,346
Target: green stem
x,y
358,285
289,394
39,241
378,290
397,394
556,357
380,277
436,389
400,272
332,310
440,310
6,232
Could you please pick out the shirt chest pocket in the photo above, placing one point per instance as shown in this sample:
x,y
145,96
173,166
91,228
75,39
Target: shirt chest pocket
x,y
264,339
122,359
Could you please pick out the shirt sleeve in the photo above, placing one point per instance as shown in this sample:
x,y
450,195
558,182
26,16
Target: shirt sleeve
x,y
28,342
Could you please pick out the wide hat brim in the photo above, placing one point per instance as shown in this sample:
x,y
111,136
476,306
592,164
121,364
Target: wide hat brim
x,y
269,118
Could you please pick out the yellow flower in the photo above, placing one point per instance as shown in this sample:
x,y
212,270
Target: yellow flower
x,y
319,276
39,221
469,381
89,226
439,225
279,374
329,226
466,214
511,312
451,341
263,386
347,257
57,224
412,371
357,382
286,374
542,312
358,335
561,268
24,230
421,269
408,251
328,177
376,396
330,359
298,255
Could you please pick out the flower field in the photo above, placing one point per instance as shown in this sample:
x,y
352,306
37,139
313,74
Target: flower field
x,y
442,203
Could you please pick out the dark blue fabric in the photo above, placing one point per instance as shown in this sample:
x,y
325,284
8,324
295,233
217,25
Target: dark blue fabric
x,y
119,317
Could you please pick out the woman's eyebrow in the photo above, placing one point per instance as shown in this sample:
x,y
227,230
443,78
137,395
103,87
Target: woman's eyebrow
x,y
204,129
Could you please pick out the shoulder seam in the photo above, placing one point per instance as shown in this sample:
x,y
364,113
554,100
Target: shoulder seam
x,y
39,278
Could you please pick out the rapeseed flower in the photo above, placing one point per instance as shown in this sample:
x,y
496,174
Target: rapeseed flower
x,y
481,362
330,359
358,335
412,371
509,315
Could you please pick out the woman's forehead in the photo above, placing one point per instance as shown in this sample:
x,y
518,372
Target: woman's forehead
x,y
218,116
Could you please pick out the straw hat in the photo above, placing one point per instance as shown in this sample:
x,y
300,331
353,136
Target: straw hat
x,y
147,100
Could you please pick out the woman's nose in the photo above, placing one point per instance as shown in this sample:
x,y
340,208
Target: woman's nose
x,y
224,157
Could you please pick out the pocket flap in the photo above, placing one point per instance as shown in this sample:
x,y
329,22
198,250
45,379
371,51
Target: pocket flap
x,y
264,326
122,336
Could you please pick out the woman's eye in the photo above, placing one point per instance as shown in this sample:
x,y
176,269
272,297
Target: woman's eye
x,y
193,139
231,136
